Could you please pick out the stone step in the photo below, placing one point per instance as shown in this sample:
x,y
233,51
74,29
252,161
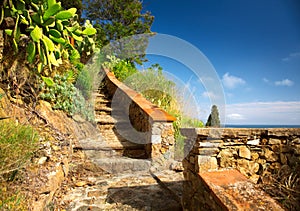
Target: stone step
x,y
115,153
99,94
105,127
100,100
103,108
107,142
123,165
104,119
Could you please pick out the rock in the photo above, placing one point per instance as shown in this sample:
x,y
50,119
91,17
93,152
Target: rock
x,y
205,163
274,141
207,151
254,156
297,149
244,152
296,141
253,142
95,193
177,166
261,161
270,155
243,163
275,166
81,183
78,118
254,178
226,153
227,158
283,158
253,167
208,145
42,160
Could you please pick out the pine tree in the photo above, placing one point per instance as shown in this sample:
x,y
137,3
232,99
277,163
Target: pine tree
x,y
213,119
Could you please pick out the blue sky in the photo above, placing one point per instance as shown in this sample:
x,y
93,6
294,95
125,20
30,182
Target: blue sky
x,y
254,47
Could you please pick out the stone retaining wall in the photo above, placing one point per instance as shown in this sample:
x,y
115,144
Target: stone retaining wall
x,y
151,125
256,153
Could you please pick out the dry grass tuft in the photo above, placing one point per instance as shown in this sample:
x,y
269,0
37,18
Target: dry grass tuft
x,y
284,186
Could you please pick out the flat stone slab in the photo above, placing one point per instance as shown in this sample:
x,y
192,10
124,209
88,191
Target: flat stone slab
x,y
234,191
137,191
123,165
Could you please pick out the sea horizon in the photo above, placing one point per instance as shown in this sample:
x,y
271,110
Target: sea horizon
x,y
259,126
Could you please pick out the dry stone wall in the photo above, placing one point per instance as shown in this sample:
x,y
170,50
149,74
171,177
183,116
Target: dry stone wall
x,y
255,153
151,125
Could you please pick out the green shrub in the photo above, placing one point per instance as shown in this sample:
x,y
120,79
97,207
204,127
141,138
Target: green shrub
x,y
122,69
84,83
17,143
63,95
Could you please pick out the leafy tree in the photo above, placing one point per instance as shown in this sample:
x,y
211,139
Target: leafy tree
x,y
213,119
116,19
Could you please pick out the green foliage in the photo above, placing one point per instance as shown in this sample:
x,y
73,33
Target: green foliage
x,y
63,95
47,27
116,19
67,4
155,87
191,122
122,69
213,119
17,143
85,83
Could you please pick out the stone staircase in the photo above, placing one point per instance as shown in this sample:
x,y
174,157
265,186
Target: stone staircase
x,y
127,183
109,149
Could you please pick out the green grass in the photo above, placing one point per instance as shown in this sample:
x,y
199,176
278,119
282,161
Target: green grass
x,y
17,144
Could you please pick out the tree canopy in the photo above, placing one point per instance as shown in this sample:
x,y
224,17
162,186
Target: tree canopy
x,y
116,19
213,119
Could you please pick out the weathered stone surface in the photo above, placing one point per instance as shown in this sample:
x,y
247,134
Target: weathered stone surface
x,y
226,158
231,191
296,141
244,152
254,178
253,167
297,149
208,145
274,141
205,163
270,155
256,153
254,156
283,158
254,142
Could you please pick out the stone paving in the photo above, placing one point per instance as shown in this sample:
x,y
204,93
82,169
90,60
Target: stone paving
x,y
125,192
103,177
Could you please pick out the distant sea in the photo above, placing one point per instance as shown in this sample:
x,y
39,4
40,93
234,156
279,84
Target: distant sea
x,y
262,126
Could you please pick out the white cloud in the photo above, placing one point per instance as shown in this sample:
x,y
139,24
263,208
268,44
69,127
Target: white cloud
x,y
207,94
235,117
280,113
231,81
265,80
284,82
291,56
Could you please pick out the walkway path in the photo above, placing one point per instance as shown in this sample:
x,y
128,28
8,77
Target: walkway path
x,y
110,173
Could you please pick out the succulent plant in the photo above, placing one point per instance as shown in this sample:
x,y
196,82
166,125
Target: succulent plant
x,y
47,29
